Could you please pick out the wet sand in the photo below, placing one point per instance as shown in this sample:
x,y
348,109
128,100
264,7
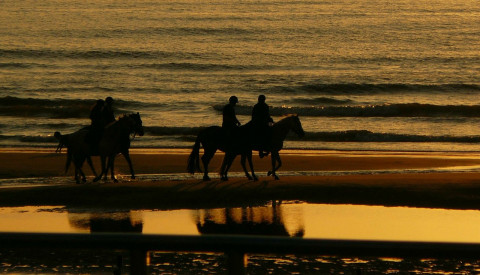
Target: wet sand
x,y
393,187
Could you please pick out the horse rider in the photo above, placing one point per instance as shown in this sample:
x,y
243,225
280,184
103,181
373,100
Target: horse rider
x,y
261,121
230,122
107,111
101,115
96,127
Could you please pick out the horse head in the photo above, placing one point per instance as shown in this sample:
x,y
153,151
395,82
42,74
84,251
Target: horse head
x,y
137,124
296,125
133,123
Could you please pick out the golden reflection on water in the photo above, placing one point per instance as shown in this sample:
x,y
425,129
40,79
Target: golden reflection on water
x,y
34,219
261,220
126,221
287,219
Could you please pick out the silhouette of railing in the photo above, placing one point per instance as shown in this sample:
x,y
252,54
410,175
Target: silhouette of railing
x,y
235,247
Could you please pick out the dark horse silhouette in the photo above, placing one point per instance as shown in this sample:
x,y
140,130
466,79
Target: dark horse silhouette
x,y
216,138
212,139
115,140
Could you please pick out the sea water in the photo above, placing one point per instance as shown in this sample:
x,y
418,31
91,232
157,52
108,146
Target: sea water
x,y
362,75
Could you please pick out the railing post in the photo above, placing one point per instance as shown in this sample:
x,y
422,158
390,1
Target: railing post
x,y
138,262
236,262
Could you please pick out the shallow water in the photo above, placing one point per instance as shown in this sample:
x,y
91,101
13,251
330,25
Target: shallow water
x,y
285,219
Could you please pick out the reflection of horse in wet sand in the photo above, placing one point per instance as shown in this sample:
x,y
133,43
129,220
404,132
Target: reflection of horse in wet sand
x,y
123,221
260,220
212,138
115,140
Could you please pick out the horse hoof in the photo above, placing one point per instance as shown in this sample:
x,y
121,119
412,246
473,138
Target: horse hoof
x,y
225,178
206,178
269,173
276,177
255,179
132,177
115,180
96,179
249,177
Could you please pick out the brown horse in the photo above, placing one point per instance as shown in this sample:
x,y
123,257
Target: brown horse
x,y
213,138
75,152
279,133
115,140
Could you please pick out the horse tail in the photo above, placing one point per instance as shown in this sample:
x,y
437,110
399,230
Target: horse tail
x,y
194,158
62,141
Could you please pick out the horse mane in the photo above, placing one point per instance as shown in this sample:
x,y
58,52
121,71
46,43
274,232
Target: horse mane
x,y
122,117
283,117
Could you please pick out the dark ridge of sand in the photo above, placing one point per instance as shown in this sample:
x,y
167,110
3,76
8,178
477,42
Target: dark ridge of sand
x,y
440,190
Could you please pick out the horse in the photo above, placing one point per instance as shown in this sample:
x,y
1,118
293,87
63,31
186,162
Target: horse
x,y
75,152
279,132
215,138
115,139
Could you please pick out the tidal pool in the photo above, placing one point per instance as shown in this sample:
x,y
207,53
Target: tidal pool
x,y
324,221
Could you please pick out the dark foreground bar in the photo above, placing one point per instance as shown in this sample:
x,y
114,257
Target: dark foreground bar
x,y
235,247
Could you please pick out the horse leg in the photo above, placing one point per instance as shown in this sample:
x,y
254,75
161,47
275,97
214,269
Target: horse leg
x,y
90,163
107,167
102,161
79,175
279,160
82,175
227,163
250,162
223,168
243,159
129,161
76,176
111,163
207,156
81,161
275,156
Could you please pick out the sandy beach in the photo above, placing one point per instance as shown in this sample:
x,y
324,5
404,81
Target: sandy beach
x,y
437,180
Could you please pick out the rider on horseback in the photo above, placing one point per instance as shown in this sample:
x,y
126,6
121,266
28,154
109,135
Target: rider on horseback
x,y
96,127
230,122
229,118
107,112
101,115
261,121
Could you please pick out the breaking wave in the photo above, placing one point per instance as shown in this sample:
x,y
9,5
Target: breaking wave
x,y
60,108
189,134
384,110
371,89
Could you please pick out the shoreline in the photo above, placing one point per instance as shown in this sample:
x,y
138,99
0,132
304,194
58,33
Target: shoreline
x,y
377,185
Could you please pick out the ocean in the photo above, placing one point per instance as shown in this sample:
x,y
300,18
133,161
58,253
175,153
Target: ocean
x,y
362,75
